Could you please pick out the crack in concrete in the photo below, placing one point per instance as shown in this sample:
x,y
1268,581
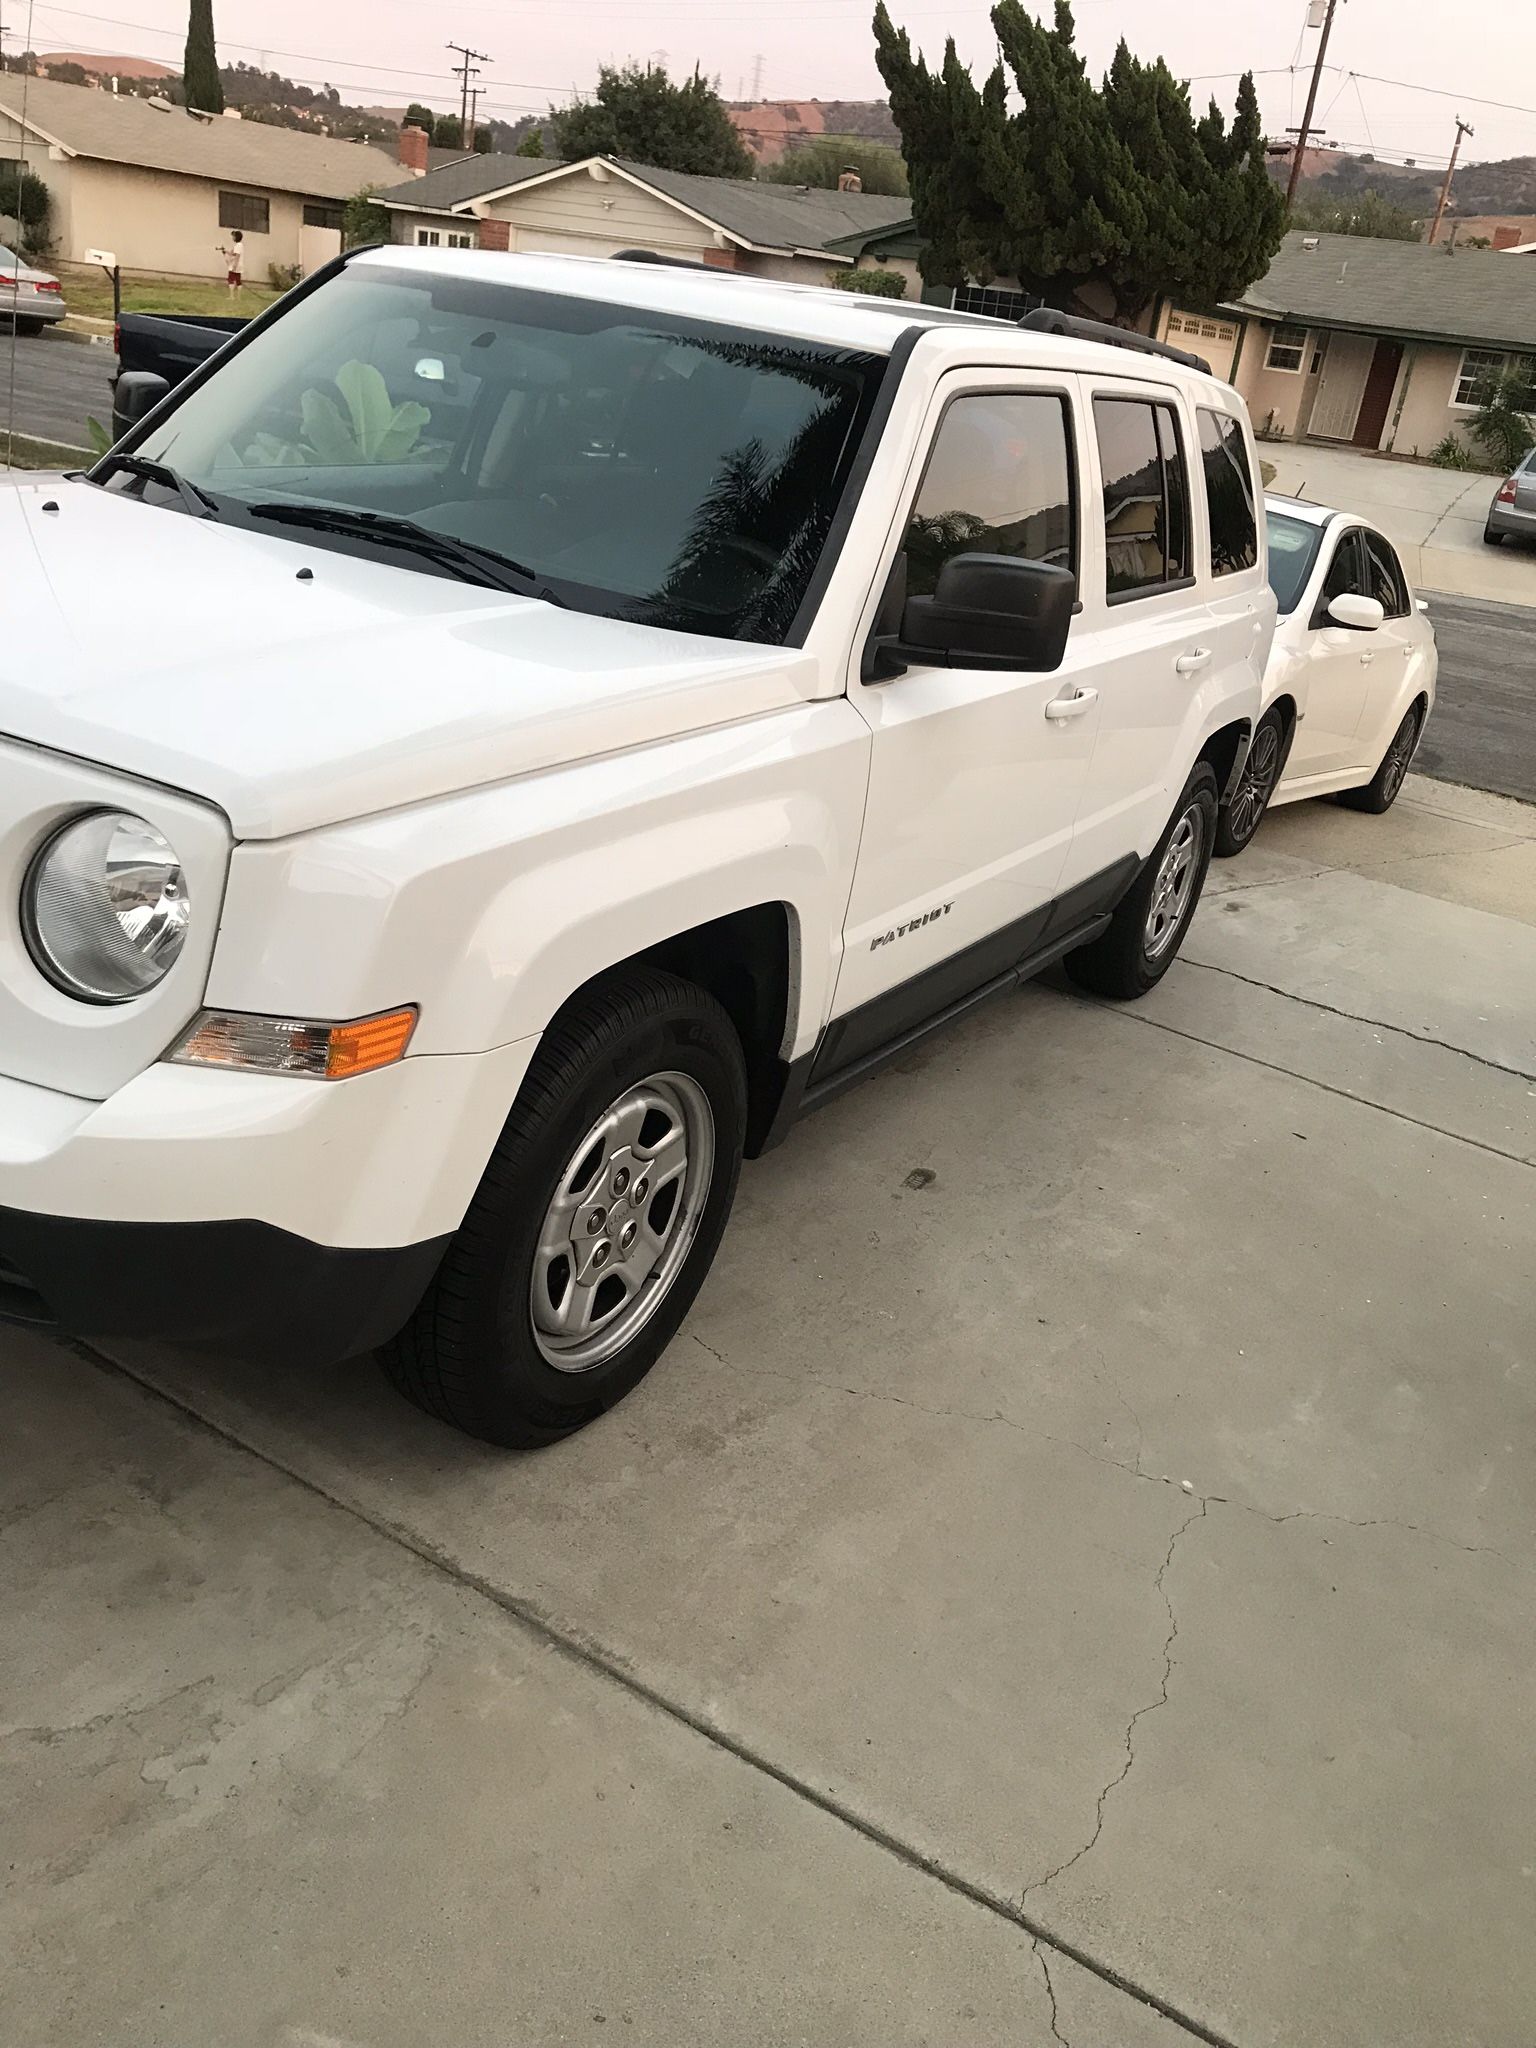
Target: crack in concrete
x,y
1397,860
1354,1017
48,1733
1050,1992
1150,1707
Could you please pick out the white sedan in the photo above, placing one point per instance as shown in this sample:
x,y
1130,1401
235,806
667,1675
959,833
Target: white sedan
x,y
1351,678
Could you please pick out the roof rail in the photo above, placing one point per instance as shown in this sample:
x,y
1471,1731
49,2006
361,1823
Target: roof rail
x,y
670,262
1046,320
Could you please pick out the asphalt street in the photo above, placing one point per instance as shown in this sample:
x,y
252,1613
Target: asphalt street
x,y
58,385
1483,732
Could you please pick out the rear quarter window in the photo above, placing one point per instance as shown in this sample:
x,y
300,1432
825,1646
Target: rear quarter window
x,y
1229,493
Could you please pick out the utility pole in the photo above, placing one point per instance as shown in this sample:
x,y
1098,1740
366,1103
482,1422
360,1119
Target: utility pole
x,y
463,72
1450,172
475,96
1306,120
757,75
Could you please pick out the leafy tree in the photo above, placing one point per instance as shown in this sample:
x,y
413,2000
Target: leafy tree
x,y
68,73
25,199
1369,214
532,143
363,220
418,116
200,66
1502,426
1097,197
637,112
822,160
448,132
872,282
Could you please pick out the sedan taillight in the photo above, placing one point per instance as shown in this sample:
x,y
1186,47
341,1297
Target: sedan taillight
x,y
47,284
6,280
1506,492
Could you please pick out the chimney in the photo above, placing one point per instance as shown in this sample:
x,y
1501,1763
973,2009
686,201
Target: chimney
x,y
1506,238
848,180
413,151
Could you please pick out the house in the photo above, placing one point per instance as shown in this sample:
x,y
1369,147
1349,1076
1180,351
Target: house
x,y
599,205
1493,230
162,187
1380,344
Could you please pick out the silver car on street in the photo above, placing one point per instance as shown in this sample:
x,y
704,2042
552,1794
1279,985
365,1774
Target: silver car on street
x,y
32,299
1513,510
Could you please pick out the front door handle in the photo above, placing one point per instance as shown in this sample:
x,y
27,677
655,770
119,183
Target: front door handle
x,y
1191,664
1061,708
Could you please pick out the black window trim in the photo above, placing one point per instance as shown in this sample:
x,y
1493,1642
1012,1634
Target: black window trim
x,y
1152,395
1255,484
1348,531
251,199
1393,565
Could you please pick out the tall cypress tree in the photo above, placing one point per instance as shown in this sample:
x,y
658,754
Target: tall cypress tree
x,y
200,66
1098,197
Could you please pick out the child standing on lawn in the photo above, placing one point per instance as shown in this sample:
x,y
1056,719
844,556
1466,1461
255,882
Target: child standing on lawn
x,y
234,255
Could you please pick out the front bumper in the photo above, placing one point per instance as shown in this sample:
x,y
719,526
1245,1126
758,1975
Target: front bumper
x,y
236,1287
256,1214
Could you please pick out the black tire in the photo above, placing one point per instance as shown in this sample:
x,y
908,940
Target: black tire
x,y
1381,792
1124,962
1242,816
1492,539
30,326
471,1354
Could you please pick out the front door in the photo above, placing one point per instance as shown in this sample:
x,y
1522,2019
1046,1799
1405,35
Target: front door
x,y
1379,387
1331,690
975,774
1345,369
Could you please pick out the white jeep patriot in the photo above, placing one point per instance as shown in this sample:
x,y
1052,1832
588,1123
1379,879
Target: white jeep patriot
x,y
510,733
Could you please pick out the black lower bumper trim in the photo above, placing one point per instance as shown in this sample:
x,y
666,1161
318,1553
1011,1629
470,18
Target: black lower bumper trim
x,y
240,1287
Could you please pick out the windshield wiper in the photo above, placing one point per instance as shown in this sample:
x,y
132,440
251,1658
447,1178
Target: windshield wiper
x,y
196,500
474,563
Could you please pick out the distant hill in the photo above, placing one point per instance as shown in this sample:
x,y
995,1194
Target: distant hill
x,y
1505,187
769,128
96,66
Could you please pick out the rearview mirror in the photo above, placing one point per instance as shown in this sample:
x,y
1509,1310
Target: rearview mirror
x,y
1359,614
134,397
992,611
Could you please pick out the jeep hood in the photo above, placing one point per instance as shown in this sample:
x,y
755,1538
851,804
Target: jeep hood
x,y
191,653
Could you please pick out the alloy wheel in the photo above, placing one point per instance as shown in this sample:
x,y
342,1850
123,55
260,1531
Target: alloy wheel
x,y
1257,785
621,1220
1394,769
1174,887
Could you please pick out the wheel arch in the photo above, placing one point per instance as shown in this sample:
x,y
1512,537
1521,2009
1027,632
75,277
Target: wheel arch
x,y
1226,750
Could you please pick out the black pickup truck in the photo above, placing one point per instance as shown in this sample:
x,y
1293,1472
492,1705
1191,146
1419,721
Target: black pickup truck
x,y
168,345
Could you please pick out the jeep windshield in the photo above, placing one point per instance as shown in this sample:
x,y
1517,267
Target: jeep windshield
x,y
637,464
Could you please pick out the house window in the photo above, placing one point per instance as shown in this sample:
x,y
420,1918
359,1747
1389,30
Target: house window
x,y
244,210
436,238
317,215
1287,349
992,300
1477,366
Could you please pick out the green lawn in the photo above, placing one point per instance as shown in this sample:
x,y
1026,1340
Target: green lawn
x,y
25,451
90,292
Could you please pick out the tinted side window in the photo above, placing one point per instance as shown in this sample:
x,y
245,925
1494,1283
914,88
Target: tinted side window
x,y
999,481
1146,495
1386,581
1346,572
1229,494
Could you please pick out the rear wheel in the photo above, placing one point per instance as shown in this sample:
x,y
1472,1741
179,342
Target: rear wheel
x,y
1241,814
1494,540
30,326
1380,793
1148,928
596,1220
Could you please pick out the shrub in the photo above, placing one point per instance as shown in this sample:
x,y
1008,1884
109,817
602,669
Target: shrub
x,y
1502,426
363,220
284,276
1451,454
27,200
875,284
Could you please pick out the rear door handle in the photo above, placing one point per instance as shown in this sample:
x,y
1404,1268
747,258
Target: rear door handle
x,y
1061,708
1191,663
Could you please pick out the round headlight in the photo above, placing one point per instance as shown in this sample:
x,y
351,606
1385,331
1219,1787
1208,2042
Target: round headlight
x,y
105,908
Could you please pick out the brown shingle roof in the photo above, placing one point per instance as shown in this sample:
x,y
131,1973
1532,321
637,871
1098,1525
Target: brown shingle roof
x,y
119,128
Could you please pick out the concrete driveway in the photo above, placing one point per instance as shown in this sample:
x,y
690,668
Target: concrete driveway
x,y
1072,1582
1435,516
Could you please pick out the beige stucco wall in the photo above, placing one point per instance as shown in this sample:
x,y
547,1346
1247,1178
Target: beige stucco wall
x,y
1427,412
160,220
48,164
1289,395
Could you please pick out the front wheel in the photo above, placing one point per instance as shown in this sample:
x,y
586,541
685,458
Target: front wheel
x,y
1380,793
1241,815
596,1220
1148,928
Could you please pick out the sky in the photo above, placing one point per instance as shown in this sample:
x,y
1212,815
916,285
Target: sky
x,y
538,51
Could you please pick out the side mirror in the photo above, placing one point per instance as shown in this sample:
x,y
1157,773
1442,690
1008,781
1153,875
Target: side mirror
x,y
135,396
1359,614
992,611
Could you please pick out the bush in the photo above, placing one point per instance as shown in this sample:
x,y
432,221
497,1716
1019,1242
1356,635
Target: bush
x,y
363,220
284,276
1503,427
1451,454
875,284
27,200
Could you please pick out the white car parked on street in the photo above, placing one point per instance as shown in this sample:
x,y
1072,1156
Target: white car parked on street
x,y
511,732
1351,678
